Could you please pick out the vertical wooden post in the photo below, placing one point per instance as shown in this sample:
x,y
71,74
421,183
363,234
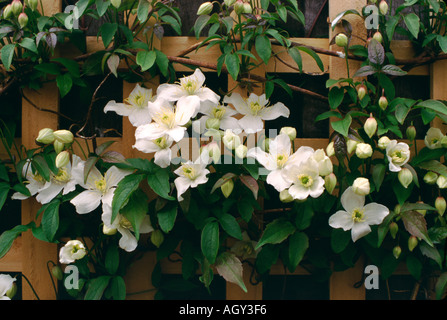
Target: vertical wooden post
x,y
438,87
342,283
36,253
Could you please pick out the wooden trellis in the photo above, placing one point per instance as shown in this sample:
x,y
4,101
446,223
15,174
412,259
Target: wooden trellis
x,y
29,256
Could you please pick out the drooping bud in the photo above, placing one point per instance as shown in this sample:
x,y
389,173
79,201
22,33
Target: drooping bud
x,y
290,131
23,20
383,7
231,140
421,211
330,151
378,37
241,151
17,7
341,40
397,250
405,177
227,188
265,145
361,91
444,142
411,133
430,177
394,228
64,136
361,186
285,196
116,3
62,159
57,272
363,150
205,8
351,145
239,7
441,182
58,146
412,243
212,123
370,126
440,205
45,136
383,103
397,208
7,12
330,181
157,238
229,3
246,8
32,4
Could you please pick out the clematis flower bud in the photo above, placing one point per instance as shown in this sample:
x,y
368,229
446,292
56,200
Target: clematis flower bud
x,y
62,159
411,133
361,91
351,145
341,40
363,150
229,3
412,242
227,188
370,126
246,8
405,177
383,103
265,144
72,251
383,142
290,131
330,181
440,205
64,136
378,37
361,186
239,7
7,12
397,250
17,7
421,211
57,272
383,7
23,20
330,151
45,136
444,142
116,3
205,8
430,177
212,123
231,140
241,151
441,182
32,4
285,196
394,228
58,146
157,238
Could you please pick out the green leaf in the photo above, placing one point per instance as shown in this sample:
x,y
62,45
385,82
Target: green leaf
x,y
7,54
102,6
117,288
112,259
245,209
431,252
4,191
435,166
96,288
338,18
414,266
340,240
146,59
314,55
296,56
416,225
143,10
391,25
64,83
108,31
210,241
136,210
336,95
412,22
38,162
434,105
263,47
159,182
378,174
230,268
162,62
298,245
230,226
342,126
166,217
50,219
200,23
233,65
276,232
376,52
71,65
128,185
393,70
29,44
7,237
441,285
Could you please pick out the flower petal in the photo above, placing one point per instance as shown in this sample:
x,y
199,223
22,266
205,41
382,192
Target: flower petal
x,y
350,200
86,201
49,192
275,111
341,219
127,242
374,213
275,179
359,230
162,157
251,124
238,103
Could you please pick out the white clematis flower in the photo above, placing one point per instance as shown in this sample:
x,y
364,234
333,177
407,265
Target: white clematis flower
x,y
6,283
218,114
255,109
99,189
275,160
64,181
135,106
73,250
190,90
128,241
34,182
433,138
191,174
167,120
398,154
357,216
161,147
303,175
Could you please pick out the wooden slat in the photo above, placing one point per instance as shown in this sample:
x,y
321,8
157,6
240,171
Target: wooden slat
x,y
12,261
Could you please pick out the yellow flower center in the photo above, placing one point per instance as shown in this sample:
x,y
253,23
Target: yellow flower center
x,y
189,172
138,100
219,112
189,85
305,180
281,160
358,215
255,107
161,142
37,177
397,157
165,117
125,223
62,176
101,185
